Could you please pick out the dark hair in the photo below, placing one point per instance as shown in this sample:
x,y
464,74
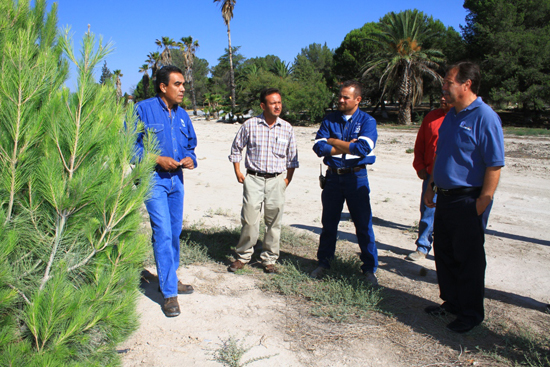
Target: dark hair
x,y
267,92
467,71
163,75
358,89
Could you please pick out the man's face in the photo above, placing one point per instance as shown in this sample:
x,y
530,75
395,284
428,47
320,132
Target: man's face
x,y
272,106
348,102
173,92
452,89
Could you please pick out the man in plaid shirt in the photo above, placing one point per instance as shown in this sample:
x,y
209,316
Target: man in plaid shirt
x,y
270,151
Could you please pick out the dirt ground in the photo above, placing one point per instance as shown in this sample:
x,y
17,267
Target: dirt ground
x,y
227,305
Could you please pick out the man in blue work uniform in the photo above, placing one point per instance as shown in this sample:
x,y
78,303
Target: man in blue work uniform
x,y
346,140
172,128
469,156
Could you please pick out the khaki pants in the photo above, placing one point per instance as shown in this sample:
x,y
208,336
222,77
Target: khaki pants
x,y
269,193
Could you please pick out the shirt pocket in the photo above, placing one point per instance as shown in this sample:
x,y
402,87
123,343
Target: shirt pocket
x,y
466,141
158,131
279,148
183,140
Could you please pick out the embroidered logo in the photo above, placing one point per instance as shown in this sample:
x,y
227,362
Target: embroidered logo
x,y
357,129
463,125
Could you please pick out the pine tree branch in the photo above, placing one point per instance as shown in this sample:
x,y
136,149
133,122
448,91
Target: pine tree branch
x,y
20,293
58,235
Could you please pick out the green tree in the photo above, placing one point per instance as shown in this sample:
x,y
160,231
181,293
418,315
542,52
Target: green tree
x,y
117,74
511,42
406,62
221,73
70,258
188,47
153,59
227,7
105,74
145,80
165,43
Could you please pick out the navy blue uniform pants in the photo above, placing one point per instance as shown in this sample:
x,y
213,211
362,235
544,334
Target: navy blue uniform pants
x,y
353,188
459,237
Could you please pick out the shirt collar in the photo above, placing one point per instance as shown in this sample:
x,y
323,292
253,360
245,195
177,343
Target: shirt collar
x,y
472,106
262,119
163,105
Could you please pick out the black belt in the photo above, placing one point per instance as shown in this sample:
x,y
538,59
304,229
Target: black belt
x,y
262,174
458,191
343,171
159,169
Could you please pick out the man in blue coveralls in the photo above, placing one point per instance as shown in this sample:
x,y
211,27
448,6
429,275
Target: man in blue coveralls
x,y
346,140
171,125
469,156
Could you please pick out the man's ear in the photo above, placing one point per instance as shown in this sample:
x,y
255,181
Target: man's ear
x,y
162,87
262,105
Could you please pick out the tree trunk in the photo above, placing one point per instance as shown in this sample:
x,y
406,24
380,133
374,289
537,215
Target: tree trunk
x,y
231,73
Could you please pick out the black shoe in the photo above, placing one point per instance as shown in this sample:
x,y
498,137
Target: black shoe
x,y
460,327
171,307
442,310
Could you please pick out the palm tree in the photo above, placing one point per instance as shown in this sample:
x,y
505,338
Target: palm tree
x,y
188,47
153,59
166,55
145,79
406,63
227,14
281,69
117,74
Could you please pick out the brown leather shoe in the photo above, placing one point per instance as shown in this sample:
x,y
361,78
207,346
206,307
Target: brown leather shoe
x,y
270,269
171,307
185,288
236,265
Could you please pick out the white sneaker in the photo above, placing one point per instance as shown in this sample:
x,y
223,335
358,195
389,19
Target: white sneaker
x,y
415,256
371,278
317,273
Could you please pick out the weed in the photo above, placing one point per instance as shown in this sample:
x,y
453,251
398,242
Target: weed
x,y
394,141
386,200
232,351
409,150
220,211
341,294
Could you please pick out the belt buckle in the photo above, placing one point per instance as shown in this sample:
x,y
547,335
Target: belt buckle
x,y
341,171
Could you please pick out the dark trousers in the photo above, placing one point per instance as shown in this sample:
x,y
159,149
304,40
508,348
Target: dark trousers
x,y
459,236
352,188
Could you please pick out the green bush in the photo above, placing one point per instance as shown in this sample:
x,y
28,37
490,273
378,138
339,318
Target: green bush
x,y
70,256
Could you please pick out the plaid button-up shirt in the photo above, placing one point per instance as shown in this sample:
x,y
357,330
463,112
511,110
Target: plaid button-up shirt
x,y
268,149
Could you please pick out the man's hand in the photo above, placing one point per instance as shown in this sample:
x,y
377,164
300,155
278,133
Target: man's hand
x,y
240,176
429,197
482,203
422,174
168,163
187,162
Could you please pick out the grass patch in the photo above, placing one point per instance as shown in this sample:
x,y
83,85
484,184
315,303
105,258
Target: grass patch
x,y
409,150
526,131
342,294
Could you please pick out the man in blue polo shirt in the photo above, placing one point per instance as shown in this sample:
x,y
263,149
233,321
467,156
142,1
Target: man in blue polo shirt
x,y
469,156
346,140
172,128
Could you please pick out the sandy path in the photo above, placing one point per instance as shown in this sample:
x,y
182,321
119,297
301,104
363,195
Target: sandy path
x,y
518,254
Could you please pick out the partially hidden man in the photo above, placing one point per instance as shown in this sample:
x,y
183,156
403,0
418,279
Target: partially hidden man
x,y
424,154
172,127
469,157
346,140
270,152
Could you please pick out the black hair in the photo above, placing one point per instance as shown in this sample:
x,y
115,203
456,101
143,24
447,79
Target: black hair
x,y
268,91
467,71
358,89
163,76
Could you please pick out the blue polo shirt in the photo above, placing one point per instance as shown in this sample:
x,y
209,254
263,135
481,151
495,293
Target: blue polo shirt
x,y
469,142
361,126
175,134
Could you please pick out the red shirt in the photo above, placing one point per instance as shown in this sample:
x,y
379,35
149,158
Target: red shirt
x,y
426,140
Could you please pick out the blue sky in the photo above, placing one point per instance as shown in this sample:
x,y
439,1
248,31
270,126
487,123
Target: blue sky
x,y
260,27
